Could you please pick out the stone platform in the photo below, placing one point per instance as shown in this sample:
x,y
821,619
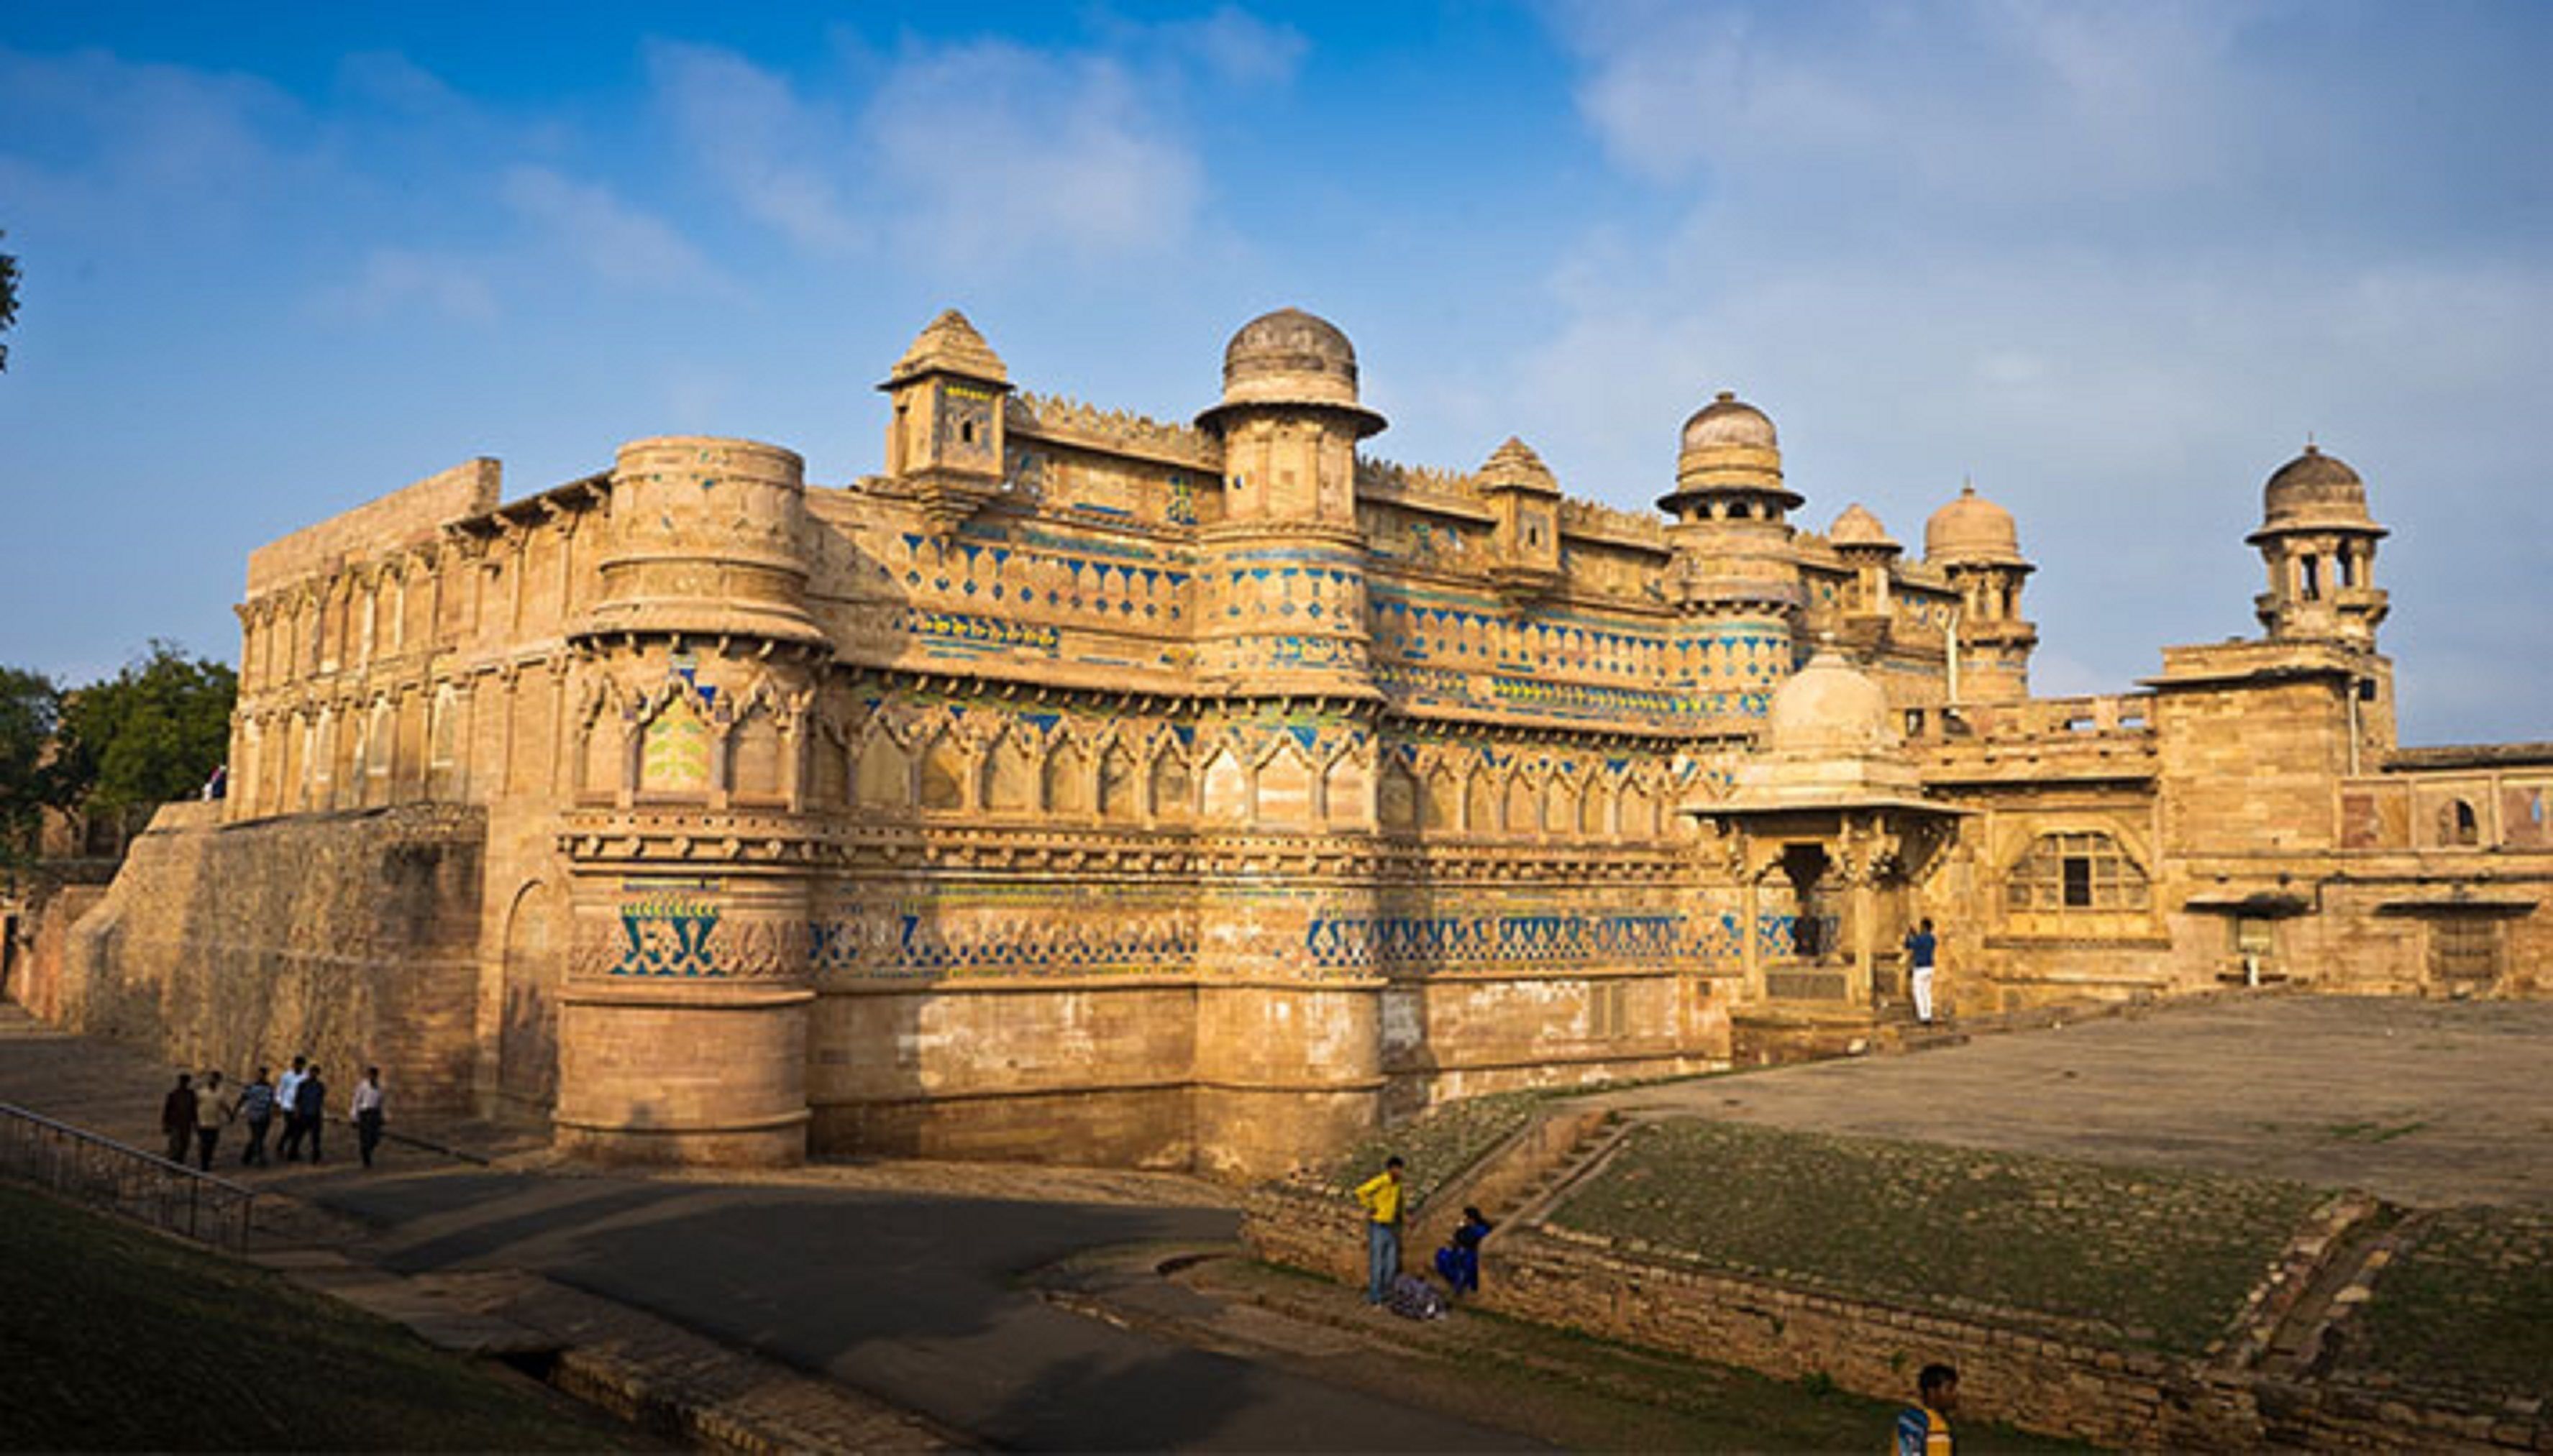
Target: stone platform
x,y
2423,1103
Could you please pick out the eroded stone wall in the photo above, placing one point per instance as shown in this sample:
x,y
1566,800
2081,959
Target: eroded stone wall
x,y
351,937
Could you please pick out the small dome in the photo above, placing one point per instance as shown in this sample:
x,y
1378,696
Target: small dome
x,y
1729,420
1858,527
2314,491
1973,530
1829,709
1290,357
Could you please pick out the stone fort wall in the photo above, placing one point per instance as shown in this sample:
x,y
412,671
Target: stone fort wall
x,y
1093,787
349,938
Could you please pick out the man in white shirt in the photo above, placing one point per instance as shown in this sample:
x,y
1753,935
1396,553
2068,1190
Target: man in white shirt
x,y
285,1103
366,1112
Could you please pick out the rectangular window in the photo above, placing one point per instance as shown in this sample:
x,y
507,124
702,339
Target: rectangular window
x,y
2078,881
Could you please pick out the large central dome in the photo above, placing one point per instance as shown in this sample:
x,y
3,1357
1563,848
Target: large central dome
x,y
1291,358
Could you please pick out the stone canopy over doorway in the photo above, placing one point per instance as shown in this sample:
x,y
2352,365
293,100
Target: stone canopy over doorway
x,y
1827,832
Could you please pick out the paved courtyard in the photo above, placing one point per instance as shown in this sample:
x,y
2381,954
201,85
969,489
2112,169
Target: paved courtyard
x,y
2421,1102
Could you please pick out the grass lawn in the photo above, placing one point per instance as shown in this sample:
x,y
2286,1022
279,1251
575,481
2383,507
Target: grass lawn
x,y
2467,1306
112,1338
2161,1258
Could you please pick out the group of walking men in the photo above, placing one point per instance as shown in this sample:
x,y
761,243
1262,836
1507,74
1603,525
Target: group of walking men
x,y
193,1117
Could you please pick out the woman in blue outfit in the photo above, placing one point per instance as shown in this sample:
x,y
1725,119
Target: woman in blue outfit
x,y
1459,1262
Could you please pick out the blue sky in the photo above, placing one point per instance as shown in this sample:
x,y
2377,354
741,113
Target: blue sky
x,y
2114,261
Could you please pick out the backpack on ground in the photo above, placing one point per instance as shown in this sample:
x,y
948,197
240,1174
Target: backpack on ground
x,y
1413,1297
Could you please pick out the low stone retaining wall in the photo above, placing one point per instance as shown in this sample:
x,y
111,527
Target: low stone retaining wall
x,y
2023,1368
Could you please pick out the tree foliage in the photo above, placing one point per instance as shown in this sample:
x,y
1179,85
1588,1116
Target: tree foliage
x,y
152,732
30,709
8,299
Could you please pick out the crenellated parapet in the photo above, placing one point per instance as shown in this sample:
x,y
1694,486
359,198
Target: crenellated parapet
x,y
1069,422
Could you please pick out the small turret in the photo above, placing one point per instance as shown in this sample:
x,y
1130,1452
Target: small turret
x,y
1283,610
944,442
1526,502
2319,545
1975,543
1289,420
1866,547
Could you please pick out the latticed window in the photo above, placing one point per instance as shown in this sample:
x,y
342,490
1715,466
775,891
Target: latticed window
x,y
2085,872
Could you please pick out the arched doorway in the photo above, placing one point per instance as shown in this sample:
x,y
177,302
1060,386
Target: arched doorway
x,y
527,1030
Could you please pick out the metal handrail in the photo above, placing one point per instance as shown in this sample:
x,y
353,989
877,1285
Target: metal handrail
x,y
105,1174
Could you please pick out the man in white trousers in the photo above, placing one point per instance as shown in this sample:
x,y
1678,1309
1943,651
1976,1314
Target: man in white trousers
x,y
1920,947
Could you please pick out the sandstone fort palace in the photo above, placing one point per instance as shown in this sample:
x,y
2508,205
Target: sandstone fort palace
x,y
1094,788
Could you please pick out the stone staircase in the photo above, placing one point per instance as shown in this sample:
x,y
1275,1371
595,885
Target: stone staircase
x,y
1524,1176
1596,1142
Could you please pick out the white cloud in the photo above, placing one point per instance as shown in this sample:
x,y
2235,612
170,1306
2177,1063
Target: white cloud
x,y
1237,47
148,153
995,152
2116,261
974,155
781,158
393,279
608,237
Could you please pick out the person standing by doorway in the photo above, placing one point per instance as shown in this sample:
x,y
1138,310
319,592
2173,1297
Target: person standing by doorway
x,y
1382,1196
1921,948
366,1112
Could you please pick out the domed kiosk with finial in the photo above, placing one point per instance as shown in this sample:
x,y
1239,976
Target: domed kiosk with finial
x,y
1728,466
1972,532
2319,545
1828,828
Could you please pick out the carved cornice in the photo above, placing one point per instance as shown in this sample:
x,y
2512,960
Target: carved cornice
x,y
747,840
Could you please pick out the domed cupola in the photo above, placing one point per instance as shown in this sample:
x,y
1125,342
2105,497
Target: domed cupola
x,y
2314,491
1293,360
1729,464
1976,545
1830,709
2319,545
1972,532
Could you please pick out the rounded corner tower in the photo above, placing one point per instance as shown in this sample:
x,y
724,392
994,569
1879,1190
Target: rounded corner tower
x,y
682,1019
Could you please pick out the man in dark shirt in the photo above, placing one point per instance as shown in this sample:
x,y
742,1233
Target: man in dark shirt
x,y
1920,946
178,1117
310,1100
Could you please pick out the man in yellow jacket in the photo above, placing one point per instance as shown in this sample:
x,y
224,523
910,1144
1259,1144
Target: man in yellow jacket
x,y
1382,1196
